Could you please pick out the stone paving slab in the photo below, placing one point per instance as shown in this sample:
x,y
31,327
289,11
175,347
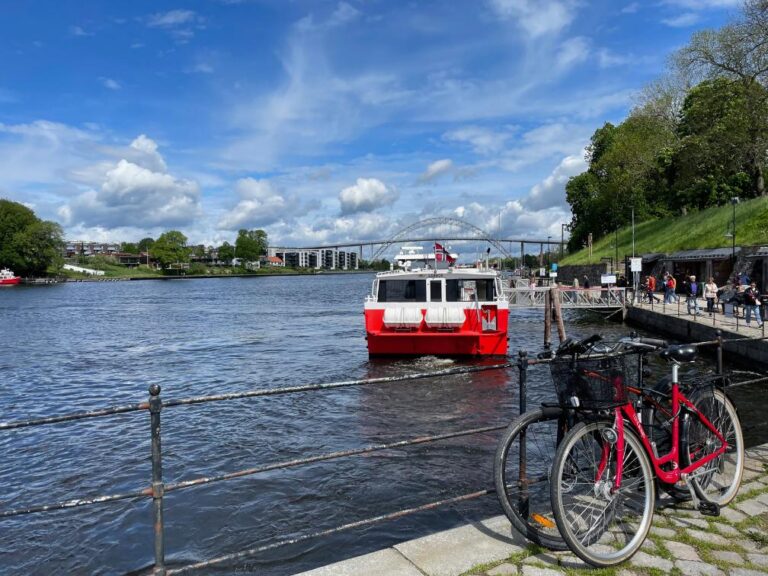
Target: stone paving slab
x,y
387,562
686,543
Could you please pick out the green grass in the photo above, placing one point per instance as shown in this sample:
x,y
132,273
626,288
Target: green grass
x,y
704,229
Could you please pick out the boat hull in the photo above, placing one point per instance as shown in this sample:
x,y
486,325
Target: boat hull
x,y
9,281
470,339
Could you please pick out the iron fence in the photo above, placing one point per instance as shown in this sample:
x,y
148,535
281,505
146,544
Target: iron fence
x,y
158,488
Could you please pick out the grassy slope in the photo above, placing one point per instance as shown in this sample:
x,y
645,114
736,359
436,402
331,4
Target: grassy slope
x,y
705,229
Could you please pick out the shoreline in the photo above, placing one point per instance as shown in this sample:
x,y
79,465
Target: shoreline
x,y
64,280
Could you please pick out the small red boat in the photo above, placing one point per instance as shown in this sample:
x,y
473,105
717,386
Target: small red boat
x,y
8,278
437,309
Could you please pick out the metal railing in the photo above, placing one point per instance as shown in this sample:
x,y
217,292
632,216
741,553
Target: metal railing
x,y
584,298
735,321
158,488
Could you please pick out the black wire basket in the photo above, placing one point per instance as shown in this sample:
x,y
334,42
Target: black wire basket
x,y
595,382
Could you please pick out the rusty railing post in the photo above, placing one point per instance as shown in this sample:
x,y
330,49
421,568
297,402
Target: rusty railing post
x,y
522,367
719,334
158,488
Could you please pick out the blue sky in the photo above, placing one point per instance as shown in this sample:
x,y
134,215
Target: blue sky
x,y
319,121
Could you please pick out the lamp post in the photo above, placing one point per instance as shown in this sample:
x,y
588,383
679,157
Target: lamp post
x,y
563,226
549,251
734,201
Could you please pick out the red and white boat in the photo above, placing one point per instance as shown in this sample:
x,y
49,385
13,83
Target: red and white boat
x,y
8,278
431,307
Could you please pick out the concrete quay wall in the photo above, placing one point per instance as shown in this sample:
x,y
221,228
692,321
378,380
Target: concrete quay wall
x,y
686,328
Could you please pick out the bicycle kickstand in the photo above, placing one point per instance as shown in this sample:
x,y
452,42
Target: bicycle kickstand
x,y
705,507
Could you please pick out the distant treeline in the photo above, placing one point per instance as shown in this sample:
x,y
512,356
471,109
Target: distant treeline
x,y
697,137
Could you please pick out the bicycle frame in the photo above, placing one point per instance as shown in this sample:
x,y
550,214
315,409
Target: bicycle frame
x,y
627,411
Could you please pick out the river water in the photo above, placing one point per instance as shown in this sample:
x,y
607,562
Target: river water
x,y
81,346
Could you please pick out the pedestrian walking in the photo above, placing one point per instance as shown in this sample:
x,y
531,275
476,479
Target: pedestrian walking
x,y
752,304
692,295
710,293
650,284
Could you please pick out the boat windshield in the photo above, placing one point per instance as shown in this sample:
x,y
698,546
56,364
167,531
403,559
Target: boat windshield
x,y
456,290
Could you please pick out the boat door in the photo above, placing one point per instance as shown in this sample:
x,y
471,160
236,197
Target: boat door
x,y
435,290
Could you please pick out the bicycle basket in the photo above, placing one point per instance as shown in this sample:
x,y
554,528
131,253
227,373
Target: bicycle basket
x,y
595,382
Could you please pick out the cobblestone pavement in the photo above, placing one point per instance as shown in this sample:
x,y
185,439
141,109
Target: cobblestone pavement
x,y
681,541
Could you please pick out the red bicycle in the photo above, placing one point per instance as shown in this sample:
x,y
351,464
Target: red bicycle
x,y
606,469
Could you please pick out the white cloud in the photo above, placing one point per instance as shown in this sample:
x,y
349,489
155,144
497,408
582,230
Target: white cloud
x,y
535,17
573,51
110,83
704,4
550,192
131,191
79,31
435,169
483,140
260,204
180,24
683,20
343,14
631,8
366,195
171,19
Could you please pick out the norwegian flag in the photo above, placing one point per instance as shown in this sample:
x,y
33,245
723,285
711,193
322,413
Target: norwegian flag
x,y
442,255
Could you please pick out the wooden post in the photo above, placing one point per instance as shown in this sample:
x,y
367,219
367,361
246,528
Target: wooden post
x,y
555,299
547,319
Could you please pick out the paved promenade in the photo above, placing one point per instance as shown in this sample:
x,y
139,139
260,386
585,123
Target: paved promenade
x,y
681,542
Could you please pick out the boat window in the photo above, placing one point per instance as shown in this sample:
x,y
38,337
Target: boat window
x,y
402,291
469,290
435,291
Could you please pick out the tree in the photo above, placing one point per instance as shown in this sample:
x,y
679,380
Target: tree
x,y
715,159
129,247
145,244
226,252
250,244
738,52
28,245
171,248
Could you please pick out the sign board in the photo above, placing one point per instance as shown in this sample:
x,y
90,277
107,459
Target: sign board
x,y
553,274
542,271
636,264
608,279
554,266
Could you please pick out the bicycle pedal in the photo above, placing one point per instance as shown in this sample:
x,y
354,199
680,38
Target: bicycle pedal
x,y
709,509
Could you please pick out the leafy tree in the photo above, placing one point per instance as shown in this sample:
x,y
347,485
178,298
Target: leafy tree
x,y
738,52
129,247
28,245
226,252
171,248
146,244
715,159
250,244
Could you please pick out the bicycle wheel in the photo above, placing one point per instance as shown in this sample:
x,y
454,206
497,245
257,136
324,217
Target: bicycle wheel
x,y
717,481
600,526
525,497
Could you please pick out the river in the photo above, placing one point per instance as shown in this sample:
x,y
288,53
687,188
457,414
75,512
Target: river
x,y
81,346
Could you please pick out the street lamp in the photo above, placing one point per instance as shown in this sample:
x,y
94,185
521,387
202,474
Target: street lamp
x,y
563,226
734,201
549,250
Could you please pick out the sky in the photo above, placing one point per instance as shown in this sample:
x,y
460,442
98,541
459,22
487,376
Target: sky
x,y
318,121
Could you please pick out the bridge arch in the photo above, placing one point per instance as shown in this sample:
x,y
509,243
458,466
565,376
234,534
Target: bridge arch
x,y
441,221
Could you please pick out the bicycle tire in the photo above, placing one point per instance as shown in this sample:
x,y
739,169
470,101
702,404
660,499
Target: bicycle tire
x,y
601,527
527,504
721,479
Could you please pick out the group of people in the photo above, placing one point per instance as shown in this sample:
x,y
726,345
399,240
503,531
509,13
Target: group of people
x,y
739,292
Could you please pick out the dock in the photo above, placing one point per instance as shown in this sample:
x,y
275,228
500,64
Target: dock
x,y
681,541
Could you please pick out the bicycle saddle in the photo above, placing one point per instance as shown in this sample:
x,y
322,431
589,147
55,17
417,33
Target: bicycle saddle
x,y
680,353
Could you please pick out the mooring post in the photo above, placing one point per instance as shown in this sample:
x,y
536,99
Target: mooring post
x,y
522,367
719,334
547,319
158,488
